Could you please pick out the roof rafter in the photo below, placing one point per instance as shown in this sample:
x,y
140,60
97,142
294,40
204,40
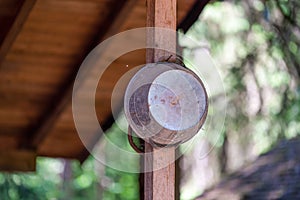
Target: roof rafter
x,y
39,132
16,28
13,160
192,15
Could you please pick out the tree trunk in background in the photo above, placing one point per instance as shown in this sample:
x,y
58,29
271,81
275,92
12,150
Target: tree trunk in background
x,y
101,179
67,176
223,156
201,169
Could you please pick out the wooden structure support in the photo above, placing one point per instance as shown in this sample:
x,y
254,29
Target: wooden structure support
x,y
60,102
193,15
160,184
26,160
16,27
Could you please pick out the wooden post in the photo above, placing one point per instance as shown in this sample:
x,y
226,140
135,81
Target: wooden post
x,y
160,184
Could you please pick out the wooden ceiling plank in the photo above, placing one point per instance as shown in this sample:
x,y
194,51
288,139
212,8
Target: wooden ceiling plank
x,y
16,28
113,22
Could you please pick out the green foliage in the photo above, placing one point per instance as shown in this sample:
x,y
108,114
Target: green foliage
x,y
30,185
68,179
47,182
122,185
256,45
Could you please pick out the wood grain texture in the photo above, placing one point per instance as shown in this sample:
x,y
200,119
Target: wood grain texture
x,y
164,178
63,98
49,46
16,27
161,14
160,184
39,62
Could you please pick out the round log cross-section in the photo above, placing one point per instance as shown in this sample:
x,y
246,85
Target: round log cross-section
x,y
165,104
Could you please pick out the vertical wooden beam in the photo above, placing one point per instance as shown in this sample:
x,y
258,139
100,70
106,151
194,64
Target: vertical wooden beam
x,y
160,184
164,178
161,13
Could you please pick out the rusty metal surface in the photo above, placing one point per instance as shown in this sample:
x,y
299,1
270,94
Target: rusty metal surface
x,y
165,104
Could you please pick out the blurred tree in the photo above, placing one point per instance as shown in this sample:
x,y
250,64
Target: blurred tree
x,y
50,182
120,185
255,43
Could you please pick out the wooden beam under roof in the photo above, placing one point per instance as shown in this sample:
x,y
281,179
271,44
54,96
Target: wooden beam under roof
x,y
193,15
16,28
114,21
16,160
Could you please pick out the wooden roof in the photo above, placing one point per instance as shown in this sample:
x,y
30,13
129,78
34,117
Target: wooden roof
x,y
43,43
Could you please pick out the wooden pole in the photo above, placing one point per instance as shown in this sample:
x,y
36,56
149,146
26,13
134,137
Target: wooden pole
x,y
160,184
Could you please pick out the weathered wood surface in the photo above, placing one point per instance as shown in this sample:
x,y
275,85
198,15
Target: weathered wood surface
x,y
160,184
118,16
47,41
16,27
